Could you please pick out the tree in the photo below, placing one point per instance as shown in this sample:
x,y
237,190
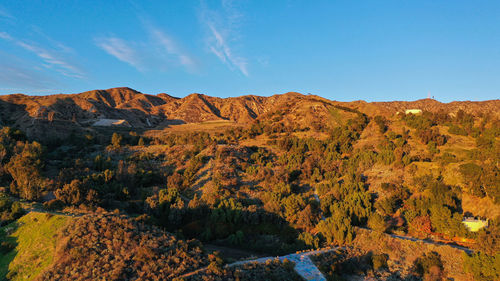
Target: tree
x,y
471,173
483,267
174,181
71,194
216,263
377,222
169,195
379,261
444,221
381,123
116,140
387,206
25,168
358,205
307,217
420,226
337,228
309,240
430,267
489,239
51,115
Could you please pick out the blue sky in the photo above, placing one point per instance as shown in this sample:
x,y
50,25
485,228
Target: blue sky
x,y
341,50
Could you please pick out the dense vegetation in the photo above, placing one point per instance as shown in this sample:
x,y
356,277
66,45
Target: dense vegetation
x,y
113,247
271,187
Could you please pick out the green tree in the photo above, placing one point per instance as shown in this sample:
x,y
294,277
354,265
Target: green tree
x,y
381,123
387,206
472,177
26,171
483,267
337,228
377,222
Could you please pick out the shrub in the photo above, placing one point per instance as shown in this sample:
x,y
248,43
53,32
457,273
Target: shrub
x,y
115,247
483,267
381,123
6,247
337,228
379,261
429,264
377,222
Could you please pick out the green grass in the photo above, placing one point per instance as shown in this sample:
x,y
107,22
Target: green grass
x,y
35,238
336,118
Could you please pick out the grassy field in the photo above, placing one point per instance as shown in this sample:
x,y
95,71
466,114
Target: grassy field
x,y
34,237
207,126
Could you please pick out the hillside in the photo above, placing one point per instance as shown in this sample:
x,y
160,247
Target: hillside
x,y
151,179
125,107
33,239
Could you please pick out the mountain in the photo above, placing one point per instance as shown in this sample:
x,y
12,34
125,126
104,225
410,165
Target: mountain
x,y
127,107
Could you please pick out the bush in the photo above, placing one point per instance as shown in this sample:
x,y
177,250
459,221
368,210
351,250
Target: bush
x,y
119,248
381,123
387,206
337,228
482,266
429,264
457,130
377,222
6,247
9,210
379,261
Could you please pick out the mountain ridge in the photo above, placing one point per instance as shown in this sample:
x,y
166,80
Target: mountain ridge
x,y
141,110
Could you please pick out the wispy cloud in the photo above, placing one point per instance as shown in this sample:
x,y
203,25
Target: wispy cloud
x,y
169,45
21,75
52,58
158,51
222,28
221,49
121,50
5,36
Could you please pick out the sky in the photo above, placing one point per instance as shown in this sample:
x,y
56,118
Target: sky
x,y
341,50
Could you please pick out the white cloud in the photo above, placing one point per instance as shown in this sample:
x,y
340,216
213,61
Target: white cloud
x,y
121,50
5,36
222,28
21,75
159,52
221,49
50,57
168,45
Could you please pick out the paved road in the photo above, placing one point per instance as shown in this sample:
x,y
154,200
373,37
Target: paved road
x,y
303,263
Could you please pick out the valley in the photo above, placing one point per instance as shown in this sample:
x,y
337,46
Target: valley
x,y
141,187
